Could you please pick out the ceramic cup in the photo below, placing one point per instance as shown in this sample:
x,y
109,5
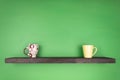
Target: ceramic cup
x,y
89,51
31,50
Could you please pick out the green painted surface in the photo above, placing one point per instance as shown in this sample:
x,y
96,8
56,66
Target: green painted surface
x,y
61,27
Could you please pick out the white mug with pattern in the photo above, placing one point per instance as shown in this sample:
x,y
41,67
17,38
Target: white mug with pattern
x,y
31,50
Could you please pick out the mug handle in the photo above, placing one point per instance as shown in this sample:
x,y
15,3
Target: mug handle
x,y
94,51
24,51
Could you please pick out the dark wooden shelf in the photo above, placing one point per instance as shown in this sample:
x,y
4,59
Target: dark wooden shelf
x,y
59,60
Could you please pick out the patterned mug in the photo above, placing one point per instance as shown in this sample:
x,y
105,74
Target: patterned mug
x,y
31,50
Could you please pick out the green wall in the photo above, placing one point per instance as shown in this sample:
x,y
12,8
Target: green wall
x,y
61,27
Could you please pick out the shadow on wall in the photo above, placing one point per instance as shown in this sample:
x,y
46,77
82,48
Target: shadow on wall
x,y
80,51
39,52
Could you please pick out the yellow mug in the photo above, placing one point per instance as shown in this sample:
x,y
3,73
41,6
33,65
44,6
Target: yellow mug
x,y
89,51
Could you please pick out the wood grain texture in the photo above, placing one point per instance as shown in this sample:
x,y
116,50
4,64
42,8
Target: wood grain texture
x,y
59,60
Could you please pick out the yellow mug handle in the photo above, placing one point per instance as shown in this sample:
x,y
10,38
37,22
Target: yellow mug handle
x,y
94,51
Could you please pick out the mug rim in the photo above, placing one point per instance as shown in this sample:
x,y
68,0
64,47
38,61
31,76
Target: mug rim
x,y
88,45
